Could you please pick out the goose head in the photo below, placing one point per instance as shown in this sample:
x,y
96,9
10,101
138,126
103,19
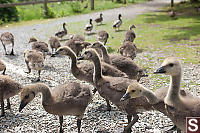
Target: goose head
x,y
119,17
134,90
132,26
32,39
90,21
97,45
170,66
27,95
89,54
101,15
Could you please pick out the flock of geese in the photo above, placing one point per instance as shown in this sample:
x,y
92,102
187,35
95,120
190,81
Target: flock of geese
x,y
114,76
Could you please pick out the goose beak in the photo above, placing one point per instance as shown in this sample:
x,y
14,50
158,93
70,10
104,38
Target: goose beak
x,y
125,97
80,58
160,70
22,105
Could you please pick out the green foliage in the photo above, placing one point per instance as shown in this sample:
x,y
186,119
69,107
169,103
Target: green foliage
x,y
9,13
51,13
76,7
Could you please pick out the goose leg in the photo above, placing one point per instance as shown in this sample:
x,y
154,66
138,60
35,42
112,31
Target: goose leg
x,y
2,107
27,64
61,122
79,125
5,49
108,105
94,91
8,103
4,71
38,79
131,123
12,52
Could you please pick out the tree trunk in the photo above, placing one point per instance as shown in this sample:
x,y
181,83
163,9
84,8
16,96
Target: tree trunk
x,y
172,3
92,4
124,2
45,8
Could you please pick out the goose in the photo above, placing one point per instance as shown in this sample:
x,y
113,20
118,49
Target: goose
x,y
8,88
67,99
89,26
178,106
2,67
128,49
172,14
130,34
156,99
6,39
84,71
117,23
103,36
54,43
99,19
126,65
113,88
34,60
60,34
39,46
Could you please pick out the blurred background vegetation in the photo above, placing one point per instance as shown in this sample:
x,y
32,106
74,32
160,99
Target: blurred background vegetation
x,y
55,10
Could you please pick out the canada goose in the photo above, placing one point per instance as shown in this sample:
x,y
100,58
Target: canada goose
x,y
128,49
84,71
54,43
39,46
130,34
89,26
8,88
2,67
113,88
117,23
103,36
6,39
156,99
86,6
60,34
126,65
178,106
34,60
172,14
99,19
66,99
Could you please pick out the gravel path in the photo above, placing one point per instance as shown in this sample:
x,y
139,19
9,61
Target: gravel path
x,y
57,71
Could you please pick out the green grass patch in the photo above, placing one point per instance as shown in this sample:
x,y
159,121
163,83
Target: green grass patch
x,y
62,9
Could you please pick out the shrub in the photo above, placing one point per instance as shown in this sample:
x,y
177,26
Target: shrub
x,y
76,7
9,13
50,14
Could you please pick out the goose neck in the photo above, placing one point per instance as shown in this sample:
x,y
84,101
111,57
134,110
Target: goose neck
x,y
173,92
151,97
74,66
106,57
64,27
46,94
97,75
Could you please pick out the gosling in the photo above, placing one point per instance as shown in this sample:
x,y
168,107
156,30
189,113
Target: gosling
x,y
66,99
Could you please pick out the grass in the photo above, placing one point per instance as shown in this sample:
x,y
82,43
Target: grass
x,y
62,9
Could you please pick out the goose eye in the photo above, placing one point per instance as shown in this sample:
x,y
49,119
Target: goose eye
x,y
133,90
26,97
171,64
